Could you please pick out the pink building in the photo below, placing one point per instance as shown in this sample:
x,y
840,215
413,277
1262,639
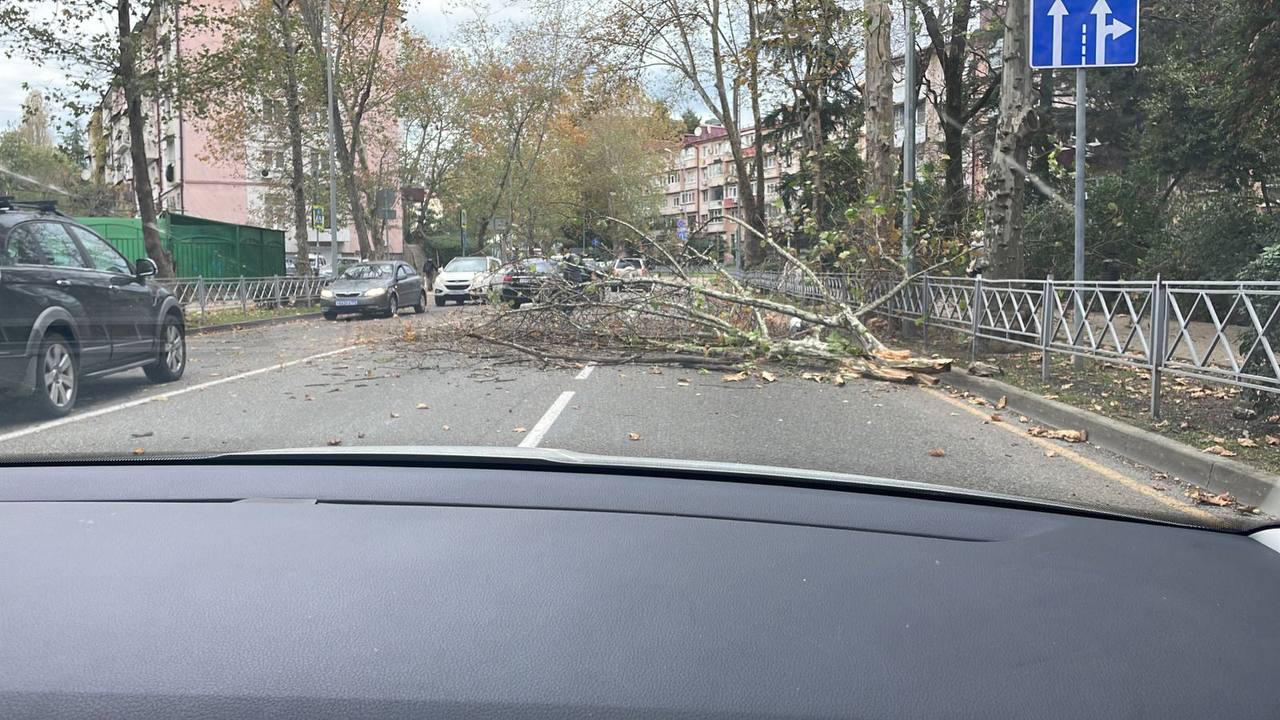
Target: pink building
x,y
253,188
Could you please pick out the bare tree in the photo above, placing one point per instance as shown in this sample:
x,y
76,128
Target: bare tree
x,y
715,47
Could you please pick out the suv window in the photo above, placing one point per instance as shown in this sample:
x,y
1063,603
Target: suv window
x,y
101,254
43,243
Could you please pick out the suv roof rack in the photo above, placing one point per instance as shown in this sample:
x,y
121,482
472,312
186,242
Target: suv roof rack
x,y
8,202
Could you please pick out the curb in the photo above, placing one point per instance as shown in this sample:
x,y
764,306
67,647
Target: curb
x,y
226,327
1247,484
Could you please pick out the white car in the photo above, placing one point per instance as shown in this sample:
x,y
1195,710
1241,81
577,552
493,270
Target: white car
x,y
454,282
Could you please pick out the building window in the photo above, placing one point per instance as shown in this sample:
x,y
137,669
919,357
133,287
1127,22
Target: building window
x,y
715,171
770,161
673,178
715,214
691,177
771,189
731,192
717,193
686,197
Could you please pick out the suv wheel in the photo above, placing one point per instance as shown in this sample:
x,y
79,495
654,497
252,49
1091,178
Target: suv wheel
x,y
171,361
440,301
57,380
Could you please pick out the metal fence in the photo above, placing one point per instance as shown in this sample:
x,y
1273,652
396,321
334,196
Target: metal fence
x,y
201,295
1218,332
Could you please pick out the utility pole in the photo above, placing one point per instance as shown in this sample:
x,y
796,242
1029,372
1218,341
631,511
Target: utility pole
x,y
333,133
462,229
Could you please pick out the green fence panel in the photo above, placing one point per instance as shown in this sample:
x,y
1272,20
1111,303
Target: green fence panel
x,y
200,247
124,234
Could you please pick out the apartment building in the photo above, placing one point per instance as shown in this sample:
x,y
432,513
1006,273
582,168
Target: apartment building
x,y
189,174
701,185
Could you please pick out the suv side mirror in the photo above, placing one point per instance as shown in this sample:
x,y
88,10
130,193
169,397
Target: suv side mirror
x,y
146,268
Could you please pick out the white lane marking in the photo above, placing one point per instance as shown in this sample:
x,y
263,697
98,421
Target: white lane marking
x,y
539,431
586,372
150,398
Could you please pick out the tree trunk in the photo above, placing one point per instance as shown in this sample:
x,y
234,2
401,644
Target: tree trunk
x,y
1007,177
1045,138
879,99
347,164
297,183
953,187
137,142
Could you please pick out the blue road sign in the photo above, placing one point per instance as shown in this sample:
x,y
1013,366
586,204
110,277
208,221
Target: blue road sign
x,y
1084,33
682,229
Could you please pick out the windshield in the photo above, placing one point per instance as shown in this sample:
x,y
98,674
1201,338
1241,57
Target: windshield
x,y
467,265
367,272
794,235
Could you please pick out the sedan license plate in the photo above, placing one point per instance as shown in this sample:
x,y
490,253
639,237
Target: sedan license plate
x,y
345,302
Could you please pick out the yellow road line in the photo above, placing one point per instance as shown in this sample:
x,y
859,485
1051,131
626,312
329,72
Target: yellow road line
x,y
1017,429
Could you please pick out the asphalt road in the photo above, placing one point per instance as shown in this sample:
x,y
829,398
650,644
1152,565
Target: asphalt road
x,y
313,383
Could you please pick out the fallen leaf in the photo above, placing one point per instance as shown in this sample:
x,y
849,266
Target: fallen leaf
x,y
633,436
520,430
360,436
1065,386
1157,486
423,406
1162,424
1217,439
768,376
1246,442
1024,419
937,452
734,377
838,381
816,377
996,417
655,371
444,427
334,441
1219,451
138,451
1051,453
1271,439
142,434
395,415
1003,402
1248,509
1203,498
1072,436
1184,425
683,382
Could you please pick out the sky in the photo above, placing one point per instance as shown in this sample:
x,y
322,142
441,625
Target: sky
x,y
437,19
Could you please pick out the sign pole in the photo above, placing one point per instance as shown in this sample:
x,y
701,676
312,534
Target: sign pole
x,y
909,137
1079,244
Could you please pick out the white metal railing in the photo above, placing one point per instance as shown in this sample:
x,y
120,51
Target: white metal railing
x,y
1218,332
199,294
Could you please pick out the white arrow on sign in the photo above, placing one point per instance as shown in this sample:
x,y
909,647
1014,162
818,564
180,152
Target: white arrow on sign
x,y
1057,11
1104,31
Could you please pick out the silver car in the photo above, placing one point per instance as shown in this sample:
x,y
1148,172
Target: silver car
x,y
374,288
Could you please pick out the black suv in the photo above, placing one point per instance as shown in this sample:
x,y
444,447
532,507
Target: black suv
x,y
72,308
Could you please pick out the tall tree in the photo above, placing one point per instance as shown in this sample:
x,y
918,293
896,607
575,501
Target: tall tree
x,y
878,91
285,23
968,87
1007,176
715,47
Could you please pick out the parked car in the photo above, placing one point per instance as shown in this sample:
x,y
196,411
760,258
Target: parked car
x,y
540,280
454,282
374,287
319,265
630,268
73,308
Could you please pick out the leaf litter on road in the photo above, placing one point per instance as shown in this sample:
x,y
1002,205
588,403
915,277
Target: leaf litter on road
x,y
937,452
1071,436
633,436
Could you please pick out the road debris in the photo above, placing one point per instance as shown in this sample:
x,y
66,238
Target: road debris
x,y
1071,436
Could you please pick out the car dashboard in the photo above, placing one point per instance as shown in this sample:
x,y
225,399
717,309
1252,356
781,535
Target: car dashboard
x,y
289,587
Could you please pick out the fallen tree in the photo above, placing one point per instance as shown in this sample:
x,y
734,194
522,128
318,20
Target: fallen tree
x,y
709,319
